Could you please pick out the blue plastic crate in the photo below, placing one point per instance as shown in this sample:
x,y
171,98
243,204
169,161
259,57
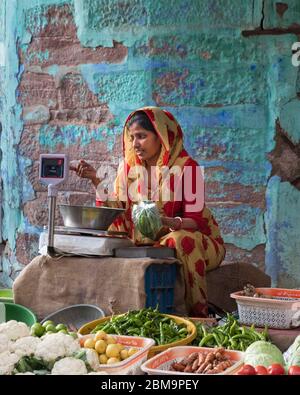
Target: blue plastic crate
x,y
159,286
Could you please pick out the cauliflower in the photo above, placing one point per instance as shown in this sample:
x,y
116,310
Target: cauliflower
x,y
25,346
68,366
14,330
4,343
56,345
92,359
7,362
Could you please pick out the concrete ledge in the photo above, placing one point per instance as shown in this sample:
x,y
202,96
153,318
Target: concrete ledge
x,y
231,277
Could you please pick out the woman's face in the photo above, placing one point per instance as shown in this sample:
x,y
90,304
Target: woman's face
x,y
146,144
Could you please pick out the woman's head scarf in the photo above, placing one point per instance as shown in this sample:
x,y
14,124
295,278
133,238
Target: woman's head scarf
x,y
172,157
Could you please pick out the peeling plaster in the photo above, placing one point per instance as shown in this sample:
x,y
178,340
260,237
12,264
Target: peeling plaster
x,y
227,92
282,222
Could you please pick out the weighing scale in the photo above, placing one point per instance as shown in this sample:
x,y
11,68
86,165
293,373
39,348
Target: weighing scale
x,y
54,170
68,241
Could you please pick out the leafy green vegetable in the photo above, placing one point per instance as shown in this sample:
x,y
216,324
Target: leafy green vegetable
x,y
30,364
263,353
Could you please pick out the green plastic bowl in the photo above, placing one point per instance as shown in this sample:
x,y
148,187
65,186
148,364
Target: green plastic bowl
x,y
6,295
19,313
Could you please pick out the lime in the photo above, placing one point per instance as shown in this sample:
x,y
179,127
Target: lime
x,y
63,331
49,322
37,329
61,326
50,328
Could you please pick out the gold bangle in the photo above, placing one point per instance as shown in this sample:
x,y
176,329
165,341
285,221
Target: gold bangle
x,y
180,226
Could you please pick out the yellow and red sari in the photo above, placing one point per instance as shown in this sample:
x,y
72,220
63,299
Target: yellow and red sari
x,y
198,250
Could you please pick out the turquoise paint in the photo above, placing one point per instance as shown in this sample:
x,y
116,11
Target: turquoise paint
x,y
202,47
206,85
271,215
40,56
196,57
290,120
242,117
2,20
243,226
227,143
27,189
34,13
131,88
290,17
11,133
26,227
282,78
118,86
11,166
52,136
6,272
99,22
282,221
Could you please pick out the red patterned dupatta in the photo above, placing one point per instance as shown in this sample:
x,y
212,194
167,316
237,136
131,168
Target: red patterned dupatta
x,y
131,187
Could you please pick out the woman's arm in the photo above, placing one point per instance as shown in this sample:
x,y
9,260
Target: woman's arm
x,y
178,223
85,170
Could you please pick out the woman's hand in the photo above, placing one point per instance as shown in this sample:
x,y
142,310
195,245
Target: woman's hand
x,y
85,170
178,223
171,223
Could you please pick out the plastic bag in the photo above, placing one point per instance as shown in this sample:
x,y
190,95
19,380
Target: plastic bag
x,y
146,219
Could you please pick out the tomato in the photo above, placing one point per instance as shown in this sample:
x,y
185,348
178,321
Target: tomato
x,y
294,370
276,369
261,370
247,370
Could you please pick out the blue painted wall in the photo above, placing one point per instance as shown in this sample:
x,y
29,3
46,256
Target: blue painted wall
x,y
70,72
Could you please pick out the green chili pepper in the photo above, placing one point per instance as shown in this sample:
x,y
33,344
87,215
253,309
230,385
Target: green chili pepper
x,y
233,343
232,328
219,343
225,341
182,330
204,330
206,339
162,338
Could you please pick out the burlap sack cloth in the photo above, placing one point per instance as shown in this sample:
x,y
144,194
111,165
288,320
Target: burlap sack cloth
x,y
48,284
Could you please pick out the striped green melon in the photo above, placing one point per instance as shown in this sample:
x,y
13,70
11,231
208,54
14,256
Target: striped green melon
x,y
147,219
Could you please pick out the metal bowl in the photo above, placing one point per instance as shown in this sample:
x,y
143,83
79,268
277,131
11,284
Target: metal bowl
x,y
76,315
89,217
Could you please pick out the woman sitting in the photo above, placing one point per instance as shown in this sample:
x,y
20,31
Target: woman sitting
x,y
152,148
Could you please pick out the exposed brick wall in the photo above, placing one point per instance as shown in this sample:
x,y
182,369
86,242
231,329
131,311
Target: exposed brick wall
x,y
224,71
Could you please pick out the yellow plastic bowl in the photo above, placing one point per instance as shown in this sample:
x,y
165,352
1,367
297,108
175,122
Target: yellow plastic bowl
x,y
191,328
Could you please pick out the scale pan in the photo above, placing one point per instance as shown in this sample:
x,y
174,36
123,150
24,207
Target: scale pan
x,y
89,217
